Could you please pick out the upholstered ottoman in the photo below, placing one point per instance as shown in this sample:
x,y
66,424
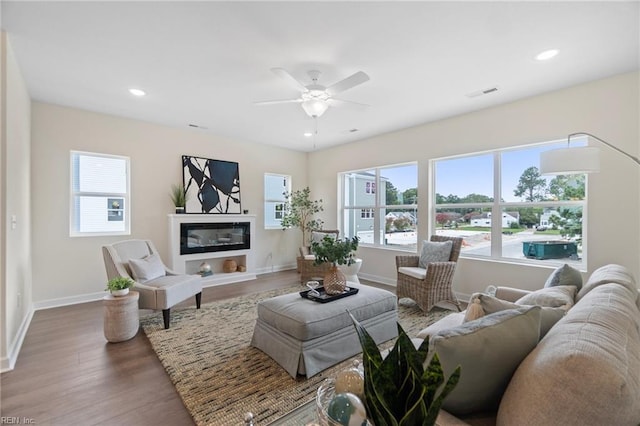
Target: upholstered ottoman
x,y
306,337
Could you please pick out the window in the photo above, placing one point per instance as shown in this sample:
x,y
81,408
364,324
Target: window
x,y
275,186
503,208
386,217
99,195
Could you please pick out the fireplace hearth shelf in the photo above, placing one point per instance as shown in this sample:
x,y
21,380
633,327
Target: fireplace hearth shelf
x,y
198,238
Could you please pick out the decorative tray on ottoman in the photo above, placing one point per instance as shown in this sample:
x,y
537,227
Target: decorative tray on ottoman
x,y
324,297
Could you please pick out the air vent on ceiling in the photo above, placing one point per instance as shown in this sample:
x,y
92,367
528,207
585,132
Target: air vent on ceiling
x,y
482,92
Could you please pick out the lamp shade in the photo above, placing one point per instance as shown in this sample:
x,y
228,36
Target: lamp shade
x,y
567,161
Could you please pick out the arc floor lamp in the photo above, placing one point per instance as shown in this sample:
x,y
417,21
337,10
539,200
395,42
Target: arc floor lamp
x,y
576,160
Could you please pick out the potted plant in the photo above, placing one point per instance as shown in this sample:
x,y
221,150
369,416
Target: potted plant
x,y
179,197
119,286
299,210
400,389
337,252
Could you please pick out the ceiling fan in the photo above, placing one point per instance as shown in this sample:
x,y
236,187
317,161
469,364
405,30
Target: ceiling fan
x,y
316,98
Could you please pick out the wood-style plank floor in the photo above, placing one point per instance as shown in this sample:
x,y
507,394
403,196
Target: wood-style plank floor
x,y
68,374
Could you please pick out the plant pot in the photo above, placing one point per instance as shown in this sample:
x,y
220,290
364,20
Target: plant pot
x,y
179,210
121,292
334,281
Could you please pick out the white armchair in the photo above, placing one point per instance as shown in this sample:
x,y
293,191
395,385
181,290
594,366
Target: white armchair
x,y
159,287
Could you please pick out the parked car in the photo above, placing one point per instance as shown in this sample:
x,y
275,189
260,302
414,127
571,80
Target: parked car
x,y
541,228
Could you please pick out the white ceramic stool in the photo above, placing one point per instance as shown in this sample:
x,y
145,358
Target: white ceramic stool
x,y
351,271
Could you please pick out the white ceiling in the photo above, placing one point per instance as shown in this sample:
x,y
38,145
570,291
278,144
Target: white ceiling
x,y
206,63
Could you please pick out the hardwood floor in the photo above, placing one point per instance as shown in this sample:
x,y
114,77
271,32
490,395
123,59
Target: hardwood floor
x,y
67,373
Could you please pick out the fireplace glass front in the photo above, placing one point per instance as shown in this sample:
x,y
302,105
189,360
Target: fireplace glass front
x,y
212,237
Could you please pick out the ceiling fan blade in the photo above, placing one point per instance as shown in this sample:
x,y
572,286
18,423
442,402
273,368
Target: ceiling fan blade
x,y
284,74
348,104
349,82
283,101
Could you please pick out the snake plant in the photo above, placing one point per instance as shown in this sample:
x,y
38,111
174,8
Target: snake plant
x,y
399,389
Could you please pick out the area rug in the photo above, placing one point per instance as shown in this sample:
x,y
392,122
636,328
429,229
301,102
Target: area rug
x,y
220,377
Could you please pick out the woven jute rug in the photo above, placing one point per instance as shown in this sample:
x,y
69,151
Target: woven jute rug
x,y
220,377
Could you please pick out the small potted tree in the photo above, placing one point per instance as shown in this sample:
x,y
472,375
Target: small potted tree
x,y
337,252
299,210
119,286
179,197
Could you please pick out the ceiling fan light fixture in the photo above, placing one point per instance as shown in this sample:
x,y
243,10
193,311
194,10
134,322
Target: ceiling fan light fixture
x,y
315,108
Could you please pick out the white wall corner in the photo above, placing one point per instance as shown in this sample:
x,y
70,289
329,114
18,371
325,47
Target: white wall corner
x,y
9,362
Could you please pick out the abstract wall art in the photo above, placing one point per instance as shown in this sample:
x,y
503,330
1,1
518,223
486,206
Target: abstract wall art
x,y
212,186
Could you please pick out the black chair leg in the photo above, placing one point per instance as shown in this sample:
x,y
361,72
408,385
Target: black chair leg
x,y
198,300
166,314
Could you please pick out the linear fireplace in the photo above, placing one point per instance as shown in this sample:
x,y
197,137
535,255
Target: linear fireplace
x,y
214,237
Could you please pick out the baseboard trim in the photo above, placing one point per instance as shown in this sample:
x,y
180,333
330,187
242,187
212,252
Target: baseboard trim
x,y
71,300
9,362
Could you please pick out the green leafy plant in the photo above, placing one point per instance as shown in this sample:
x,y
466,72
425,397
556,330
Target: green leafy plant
x,y
399,389
335,250
119,283
178,195
299,210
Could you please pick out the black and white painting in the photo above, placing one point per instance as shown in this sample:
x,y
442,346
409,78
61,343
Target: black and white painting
x,y
211,186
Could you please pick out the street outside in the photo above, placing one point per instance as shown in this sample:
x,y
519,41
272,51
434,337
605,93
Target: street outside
x,y
475,242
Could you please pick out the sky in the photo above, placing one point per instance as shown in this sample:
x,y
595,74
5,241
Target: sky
x,y
467,175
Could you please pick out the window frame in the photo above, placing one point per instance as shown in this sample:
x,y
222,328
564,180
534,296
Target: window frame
x,y
274,212
498,207
74,223
378,210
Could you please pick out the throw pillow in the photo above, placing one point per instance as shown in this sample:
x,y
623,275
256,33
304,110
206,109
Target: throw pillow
x,y
490,304
564,275
562,295
489,350
434,251
146,269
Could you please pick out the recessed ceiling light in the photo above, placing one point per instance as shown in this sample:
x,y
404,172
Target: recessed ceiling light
x,y
547,54
137,92
308,134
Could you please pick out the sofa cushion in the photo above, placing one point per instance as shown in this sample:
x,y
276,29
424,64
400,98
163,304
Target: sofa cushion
x,y
585,371
412,271
489,351
562,295
146,269
434,251
548,316
608,274
564,275
450,321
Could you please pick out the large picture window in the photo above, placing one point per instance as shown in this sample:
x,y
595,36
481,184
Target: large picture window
x,y
275,186
503,208
99,195
384,217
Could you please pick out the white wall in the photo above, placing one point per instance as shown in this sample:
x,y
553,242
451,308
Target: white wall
x,y
15,178
72,269
607,108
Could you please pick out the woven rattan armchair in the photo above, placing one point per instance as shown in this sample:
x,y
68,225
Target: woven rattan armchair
x,y
436,286
306,260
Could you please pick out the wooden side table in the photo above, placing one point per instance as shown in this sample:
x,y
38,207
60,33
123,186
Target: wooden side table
x,y
121,321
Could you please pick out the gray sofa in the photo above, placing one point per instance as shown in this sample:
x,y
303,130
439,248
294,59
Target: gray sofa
x,y
584,371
